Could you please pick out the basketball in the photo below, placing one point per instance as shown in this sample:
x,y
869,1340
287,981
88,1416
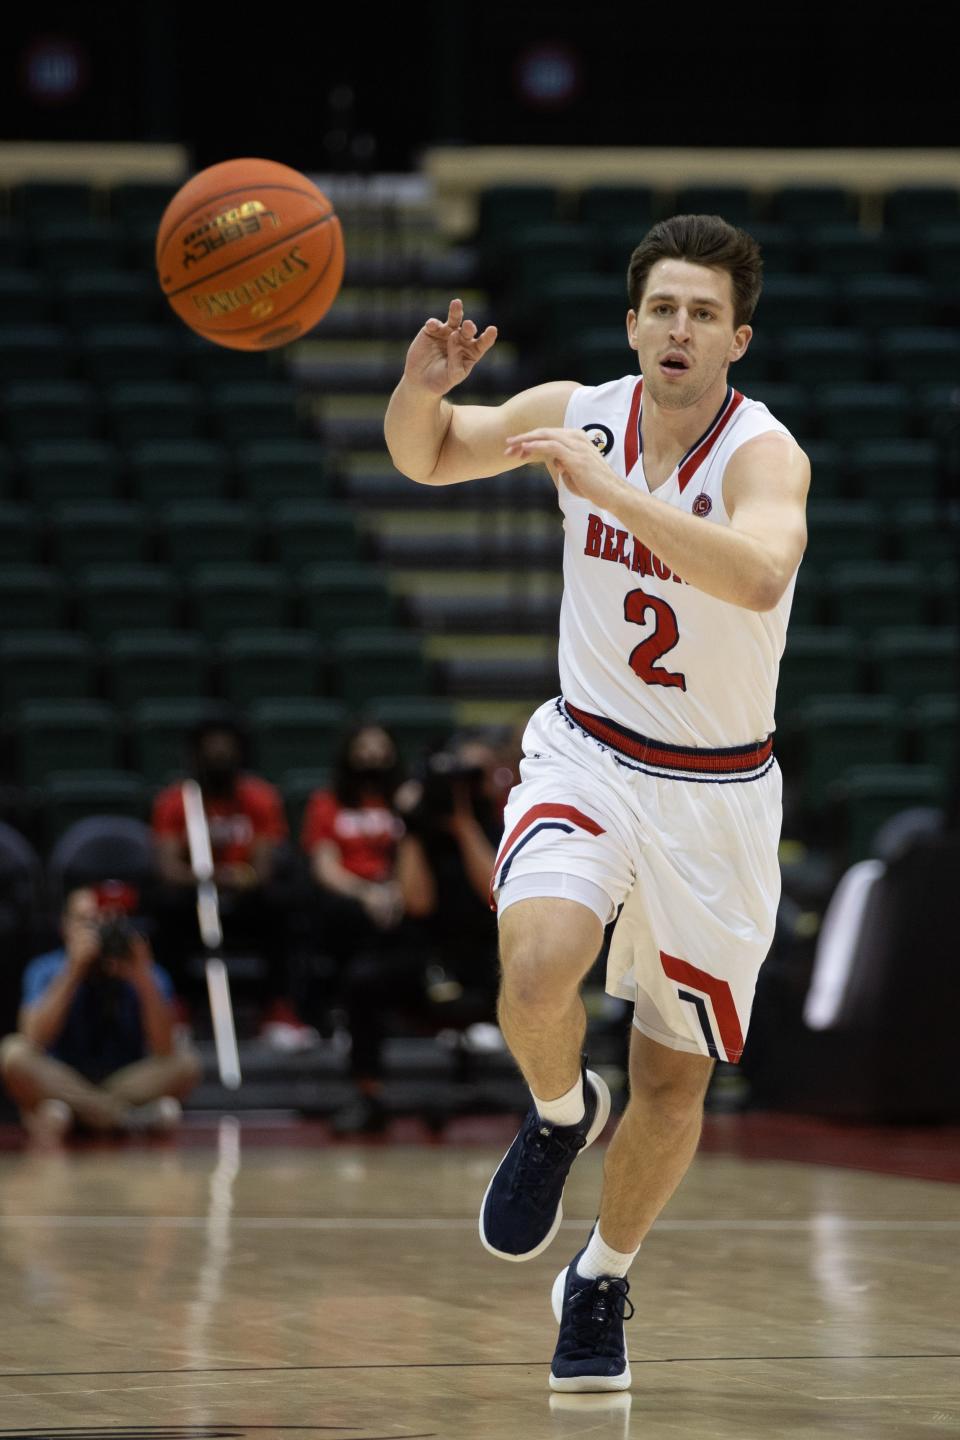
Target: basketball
x,y
250,254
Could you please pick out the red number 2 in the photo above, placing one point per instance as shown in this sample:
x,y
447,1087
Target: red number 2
x,y
665,635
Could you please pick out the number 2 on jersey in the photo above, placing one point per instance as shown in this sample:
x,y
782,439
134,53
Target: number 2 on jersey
x,y
665,635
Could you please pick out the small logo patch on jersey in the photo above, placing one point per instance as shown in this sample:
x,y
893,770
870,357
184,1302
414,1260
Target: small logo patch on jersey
x,y
702,505
601,436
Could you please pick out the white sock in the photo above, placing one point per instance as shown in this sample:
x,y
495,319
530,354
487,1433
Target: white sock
x,y
568,1110
599,1259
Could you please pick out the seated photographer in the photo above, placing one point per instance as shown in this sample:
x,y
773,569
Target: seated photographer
x,y
247,827
350,834
95,1040
444,966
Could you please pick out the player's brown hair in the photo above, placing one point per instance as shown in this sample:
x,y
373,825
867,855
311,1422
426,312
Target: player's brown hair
x,y
703,240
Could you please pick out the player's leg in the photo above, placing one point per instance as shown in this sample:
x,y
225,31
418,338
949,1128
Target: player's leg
x,y
547,945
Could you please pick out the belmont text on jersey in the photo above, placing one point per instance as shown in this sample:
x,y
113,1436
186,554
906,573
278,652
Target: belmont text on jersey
x,y
639,645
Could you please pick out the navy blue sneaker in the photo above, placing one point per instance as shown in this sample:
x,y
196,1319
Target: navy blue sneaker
x,y
522,1209
591,1351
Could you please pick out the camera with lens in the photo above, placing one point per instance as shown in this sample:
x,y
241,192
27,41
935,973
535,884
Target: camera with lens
x,y
116,936
445,773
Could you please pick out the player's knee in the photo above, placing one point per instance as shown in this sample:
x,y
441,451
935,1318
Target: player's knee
x,y
672,1082
534,982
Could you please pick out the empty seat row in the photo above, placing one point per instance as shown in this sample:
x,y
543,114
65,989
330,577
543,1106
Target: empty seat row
x,y
46,738
127,348
212,598
155,471
906,662
503,208
182,533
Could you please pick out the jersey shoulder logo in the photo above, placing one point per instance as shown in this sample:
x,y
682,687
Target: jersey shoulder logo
x,y
702,505
600,435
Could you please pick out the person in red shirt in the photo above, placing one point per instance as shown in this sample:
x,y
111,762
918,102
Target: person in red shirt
x,y
247,827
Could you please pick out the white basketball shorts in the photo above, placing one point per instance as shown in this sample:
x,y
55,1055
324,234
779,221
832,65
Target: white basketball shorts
x,y
682,841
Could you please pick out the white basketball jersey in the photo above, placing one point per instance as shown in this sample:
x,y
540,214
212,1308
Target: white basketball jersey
x,y
639,645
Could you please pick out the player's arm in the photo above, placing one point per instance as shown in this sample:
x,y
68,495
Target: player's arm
x,y
436,443
747,563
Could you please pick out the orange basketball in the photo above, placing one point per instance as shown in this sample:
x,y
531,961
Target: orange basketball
x,y
250,254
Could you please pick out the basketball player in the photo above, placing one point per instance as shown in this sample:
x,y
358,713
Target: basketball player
x,y
649,790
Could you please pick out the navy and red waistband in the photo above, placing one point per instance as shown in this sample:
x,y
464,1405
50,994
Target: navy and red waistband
x,y
739,760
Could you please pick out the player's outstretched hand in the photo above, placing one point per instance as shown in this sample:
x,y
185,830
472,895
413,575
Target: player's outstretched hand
x,y
445,351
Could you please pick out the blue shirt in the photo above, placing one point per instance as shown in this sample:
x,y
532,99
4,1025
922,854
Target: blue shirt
x,y
103,1029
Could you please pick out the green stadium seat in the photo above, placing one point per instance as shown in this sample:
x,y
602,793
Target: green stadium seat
x,y
909,663
504,209
811,357
416,723
734,203
530,259
828,469
609,249
50,410
24,298
304,531
195,532
920,356
574,305
111,598
813,205
789,301
296,787
254,410
14,245
216,365
841,530
868,796
839,251
116,353
780,246
870,597
64,734
757,367
46,665
35,352
141,201
339,597
808,600
159,732
875,302
238,597
295,734
841,731
274,470
61,470
895,472
601,354
72,795
939,251
911,208
68,246
39,201
849,412
817,662
946,582
921,534
790,404
163,471
31,598
19,534
109,298
142,410
155,665
97,532
374,664
936,725
270,664
939,411
604,206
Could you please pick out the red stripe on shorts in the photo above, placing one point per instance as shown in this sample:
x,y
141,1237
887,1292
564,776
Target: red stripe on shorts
x,y
721,998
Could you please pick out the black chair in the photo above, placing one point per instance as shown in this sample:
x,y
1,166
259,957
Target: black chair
x,y
102,847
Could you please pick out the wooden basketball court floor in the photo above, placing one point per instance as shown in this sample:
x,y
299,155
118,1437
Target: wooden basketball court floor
x,y
242,1283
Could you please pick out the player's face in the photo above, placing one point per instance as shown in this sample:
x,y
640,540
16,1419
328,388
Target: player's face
x,y
684,332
